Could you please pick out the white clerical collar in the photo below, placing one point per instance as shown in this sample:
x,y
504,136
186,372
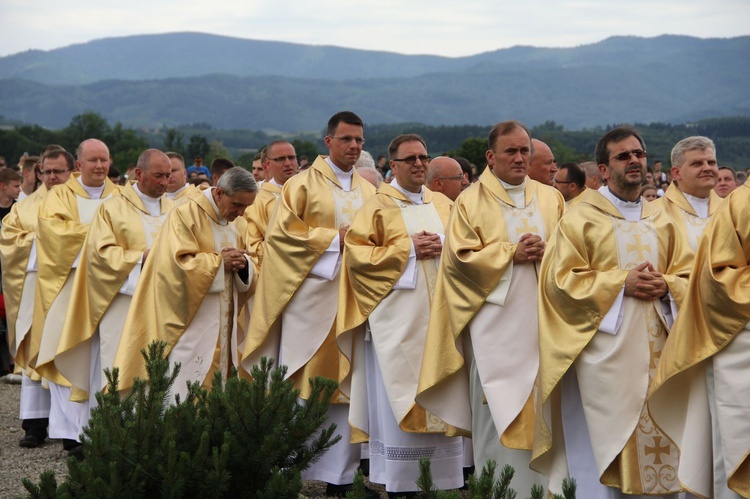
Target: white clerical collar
x,y
209,194
153,205
630,210
516,192
272,181
93,192
700,205
344,178
172,195
414,197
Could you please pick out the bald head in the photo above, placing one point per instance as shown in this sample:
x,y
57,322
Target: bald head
x,y
152,172
92,160
542,166
445,175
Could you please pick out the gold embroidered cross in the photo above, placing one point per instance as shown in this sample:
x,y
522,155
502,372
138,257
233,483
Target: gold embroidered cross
x,y
657,450
526,228
348,211
639,247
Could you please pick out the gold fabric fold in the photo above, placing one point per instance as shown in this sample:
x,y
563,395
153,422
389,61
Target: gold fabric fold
x,y
580,278
60,236
177,275
476,254
377,248
303,226
113,247
16,239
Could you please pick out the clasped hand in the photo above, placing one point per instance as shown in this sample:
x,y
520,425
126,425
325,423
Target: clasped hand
x,y
644,283
530,248
234,259
427,245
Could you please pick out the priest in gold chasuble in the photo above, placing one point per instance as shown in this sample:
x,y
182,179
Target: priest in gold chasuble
x,y
123,230
295,305
705,363
388,278
64,218
481,353
606,281
19,258
196,276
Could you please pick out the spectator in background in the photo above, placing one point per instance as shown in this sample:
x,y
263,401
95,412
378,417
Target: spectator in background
x,y
10,187
727,181
114,175
649,193
198,167
304,162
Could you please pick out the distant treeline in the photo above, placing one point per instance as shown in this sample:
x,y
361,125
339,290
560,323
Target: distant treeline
x,y
731,135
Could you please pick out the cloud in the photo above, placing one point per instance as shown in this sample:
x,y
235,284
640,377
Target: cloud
x,y
440,27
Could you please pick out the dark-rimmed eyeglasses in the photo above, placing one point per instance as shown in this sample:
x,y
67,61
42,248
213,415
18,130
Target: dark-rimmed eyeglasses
x,y
50,172
348,138
625,156
456,177
281,159
411,160
561,181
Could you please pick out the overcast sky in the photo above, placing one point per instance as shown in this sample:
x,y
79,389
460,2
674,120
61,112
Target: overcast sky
x,y
440,27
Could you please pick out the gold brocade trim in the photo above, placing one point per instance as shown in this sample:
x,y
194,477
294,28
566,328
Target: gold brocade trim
x,y
520,221
648,463
347,203
694,226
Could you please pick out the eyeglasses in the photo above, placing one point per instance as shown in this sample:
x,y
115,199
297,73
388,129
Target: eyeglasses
x,y
625,156
457,177
281,159
50,172
349,138
561,181
410,160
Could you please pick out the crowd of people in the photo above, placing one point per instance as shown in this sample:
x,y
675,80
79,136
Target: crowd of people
x,y
582,321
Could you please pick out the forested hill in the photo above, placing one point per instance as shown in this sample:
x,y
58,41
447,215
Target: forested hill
x,y
179,78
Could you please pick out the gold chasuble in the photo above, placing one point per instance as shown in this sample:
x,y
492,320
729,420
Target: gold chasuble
x,y
477,285
377,249
17,237
186,298
294,313
64,218
119,234
712,333
689,224
179,198
583,272
258,216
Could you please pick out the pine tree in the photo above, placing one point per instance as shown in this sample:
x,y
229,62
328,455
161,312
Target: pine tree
x,y
243,438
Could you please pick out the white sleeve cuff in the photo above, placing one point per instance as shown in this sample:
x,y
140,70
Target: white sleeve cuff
x,y
613,320
326,266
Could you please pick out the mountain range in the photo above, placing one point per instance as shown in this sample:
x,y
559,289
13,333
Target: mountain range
x,y
171,79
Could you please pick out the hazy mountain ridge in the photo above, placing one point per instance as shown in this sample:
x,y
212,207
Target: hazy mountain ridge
x,y
154,80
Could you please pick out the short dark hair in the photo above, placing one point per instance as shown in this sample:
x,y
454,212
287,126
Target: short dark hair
x,y
400,139
465,165
345,116
56,153
575,173
504,128
734,173
8,175
615,135
221,165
